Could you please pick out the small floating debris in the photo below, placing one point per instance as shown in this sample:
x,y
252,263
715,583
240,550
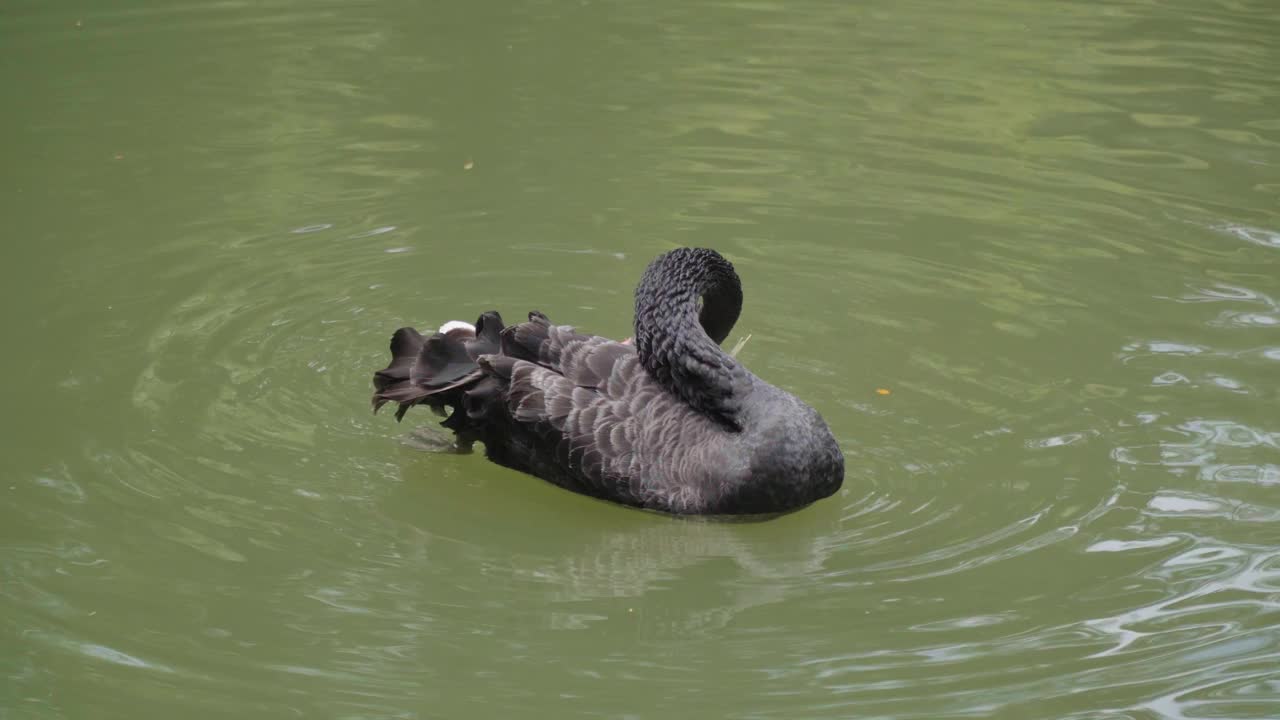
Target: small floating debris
x,y
738,347
883,391
468,164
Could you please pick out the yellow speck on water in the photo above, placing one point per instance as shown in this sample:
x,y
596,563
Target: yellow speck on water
x,y
882,391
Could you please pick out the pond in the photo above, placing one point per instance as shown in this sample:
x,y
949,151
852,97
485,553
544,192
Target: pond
x,y
1024,258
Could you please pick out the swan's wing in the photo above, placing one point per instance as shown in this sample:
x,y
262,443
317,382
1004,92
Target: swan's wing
x,y
560,348
584,391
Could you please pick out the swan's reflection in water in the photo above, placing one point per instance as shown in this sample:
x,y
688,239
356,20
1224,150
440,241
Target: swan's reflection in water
x,y
615,563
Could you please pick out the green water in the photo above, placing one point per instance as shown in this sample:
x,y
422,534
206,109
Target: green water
x,y
1050,230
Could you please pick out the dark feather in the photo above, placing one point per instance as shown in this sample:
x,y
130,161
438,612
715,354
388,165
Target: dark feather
x,y
488,335
442,361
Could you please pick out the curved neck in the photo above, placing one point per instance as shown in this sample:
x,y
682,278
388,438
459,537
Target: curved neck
x,y
679,342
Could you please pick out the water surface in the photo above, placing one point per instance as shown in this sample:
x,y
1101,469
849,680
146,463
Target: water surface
x,y
1049,231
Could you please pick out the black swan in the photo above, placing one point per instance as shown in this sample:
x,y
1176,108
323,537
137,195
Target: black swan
x,y
672,423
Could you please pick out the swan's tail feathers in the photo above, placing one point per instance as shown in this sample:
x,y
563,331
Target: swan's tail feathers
x,y
527,341
437,370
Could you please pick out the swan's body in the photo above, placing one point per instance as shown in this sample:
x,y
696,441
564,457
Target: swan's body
x,y
672,423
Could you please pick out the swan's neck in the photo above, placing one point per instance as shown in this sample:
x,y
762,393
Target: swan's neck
x,y
678,339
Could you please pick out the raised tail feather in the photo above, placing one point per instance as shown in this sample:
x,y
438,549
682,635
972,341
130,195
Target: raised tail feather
x,y
439,370
469,374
